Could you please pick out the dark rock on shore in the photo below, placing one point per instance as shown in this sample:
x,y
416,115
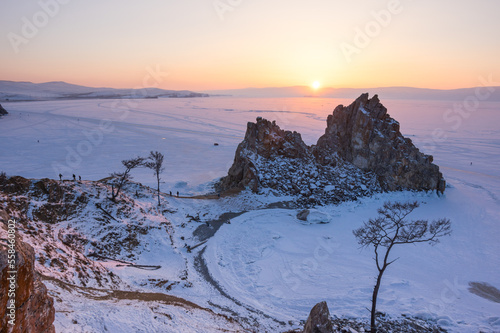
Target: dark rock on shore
x,y
319,320
3,112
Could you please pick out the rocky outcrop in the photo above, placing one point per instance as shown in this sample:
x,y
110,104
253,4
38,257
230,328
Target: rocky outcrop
x,y
3,112
319,320
265,139
34,308
361,152
271,158
303,214
366,136
268,140
89,227
56,202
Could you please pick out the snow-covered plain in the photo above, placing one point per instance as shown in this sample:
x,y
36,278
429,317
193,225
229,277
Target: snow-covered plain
x,y
266,260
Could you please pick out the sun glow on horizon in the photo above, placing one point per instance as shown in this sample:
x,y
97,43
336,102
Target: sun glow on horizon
x,y
204,49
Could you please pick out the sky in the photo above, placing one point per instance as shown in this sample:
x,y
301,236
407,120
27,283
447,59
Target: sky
x,y
228,44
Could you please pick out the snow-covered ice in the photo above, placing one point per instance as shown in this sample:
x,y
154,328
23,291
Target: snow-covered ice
x,y
266,259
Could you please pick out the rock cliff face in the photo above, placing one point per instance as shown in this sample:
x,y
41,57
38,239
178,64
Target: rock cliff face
x,y
361,152
366,136
34,307
272,158
267,140
3,111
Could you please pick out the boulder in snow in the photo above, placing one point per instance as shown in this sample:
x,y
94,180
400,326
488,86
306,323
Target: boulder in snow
x,y
3,111
313,216
317,217
302,215
319,320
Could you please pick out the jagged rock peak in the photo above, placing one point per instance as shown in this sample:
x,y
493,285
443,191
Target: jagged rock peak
x,y
319,320
265,139
268,139
365,135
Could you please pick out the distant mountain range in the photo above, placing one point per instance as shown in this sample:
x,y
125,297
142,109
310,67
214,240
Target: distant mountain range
x,y
28,91
491,93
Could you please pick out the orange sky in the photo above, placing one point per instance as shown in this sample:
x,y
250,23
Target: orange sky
x,y
434,44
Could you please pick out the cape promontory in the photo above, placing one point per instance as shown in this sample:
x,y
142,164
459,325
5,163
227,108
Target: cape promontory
x,y
361,152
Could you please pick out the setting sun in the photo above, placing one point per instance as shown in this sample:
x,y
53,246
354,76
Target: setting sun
x,y
315,85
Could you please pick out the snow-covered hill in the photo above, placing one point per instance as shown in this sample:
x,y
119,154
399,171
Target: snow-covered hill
x,y
28,91
264,269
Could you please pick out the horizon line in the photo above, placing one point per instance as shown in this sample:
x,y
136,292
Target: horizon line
x,y
255,88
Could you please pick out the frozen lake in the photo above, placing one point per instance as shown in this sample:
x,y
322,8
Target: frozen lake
x,y
91,137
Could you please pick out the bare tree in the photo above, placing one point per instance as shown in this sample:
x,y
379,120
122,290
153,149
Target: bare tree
x,y
391,228
155,162
123,177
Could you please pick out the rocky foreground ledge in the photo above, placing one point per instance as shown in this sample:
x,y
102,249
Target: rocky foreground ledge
x,y
361,152
320,321
33,310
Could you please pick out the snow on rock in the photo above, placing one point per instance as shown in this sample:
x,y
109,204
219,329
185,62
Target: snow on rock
x,y
272,158
72,225
362,152
316,216
366,136
313,216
